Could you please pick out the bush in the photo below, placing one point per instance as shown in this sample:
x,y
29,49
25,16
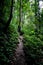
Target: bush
x,y
33,48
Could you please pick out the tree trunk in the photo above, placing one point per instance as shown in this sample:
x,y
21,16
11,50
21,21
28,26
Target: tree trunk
x,y
20,16
8,22
37,17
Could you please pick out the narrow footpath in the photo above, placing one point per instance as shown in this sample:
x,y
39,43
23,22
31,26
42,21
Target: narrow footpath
x,y
19,53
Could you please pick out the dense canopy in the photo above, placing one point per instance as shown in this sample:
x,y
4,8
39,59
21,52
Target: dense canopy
x,y
22,18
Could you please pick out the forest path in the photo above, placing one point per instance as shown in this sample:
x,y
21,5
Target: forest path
x,y
19,53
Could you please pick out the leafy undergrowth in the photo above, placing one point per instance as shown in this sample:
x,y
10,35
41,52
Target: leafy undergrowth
x,y
33,48
8,44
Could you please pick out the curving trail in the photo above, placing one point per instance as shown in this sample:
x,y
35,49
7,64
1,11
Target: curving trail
x,y
19,54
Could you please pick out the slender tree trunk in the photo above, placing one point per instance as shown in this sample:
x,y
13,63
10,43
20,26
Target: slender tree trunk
x,y
20,16
8,22
37,17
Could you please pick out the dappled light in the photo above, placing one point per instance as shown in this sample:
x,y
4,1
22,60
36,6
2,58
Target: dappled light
x,y
21,32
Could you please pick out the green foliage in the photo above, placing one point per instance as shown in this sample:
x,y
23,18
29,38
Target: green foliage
x,y
8,44
33,40
31,25
33,48
9,38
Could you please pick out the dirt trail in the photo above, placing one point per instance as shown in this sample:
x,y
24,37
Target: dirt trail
x,y
19,54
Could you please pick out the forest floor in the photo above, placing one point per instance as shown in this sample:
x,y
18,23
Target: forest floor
x,y
19,53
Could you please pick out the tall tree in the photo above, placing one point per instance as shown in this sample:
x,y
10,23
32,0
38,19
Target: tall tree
x,y
10,17
37,17
20,16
